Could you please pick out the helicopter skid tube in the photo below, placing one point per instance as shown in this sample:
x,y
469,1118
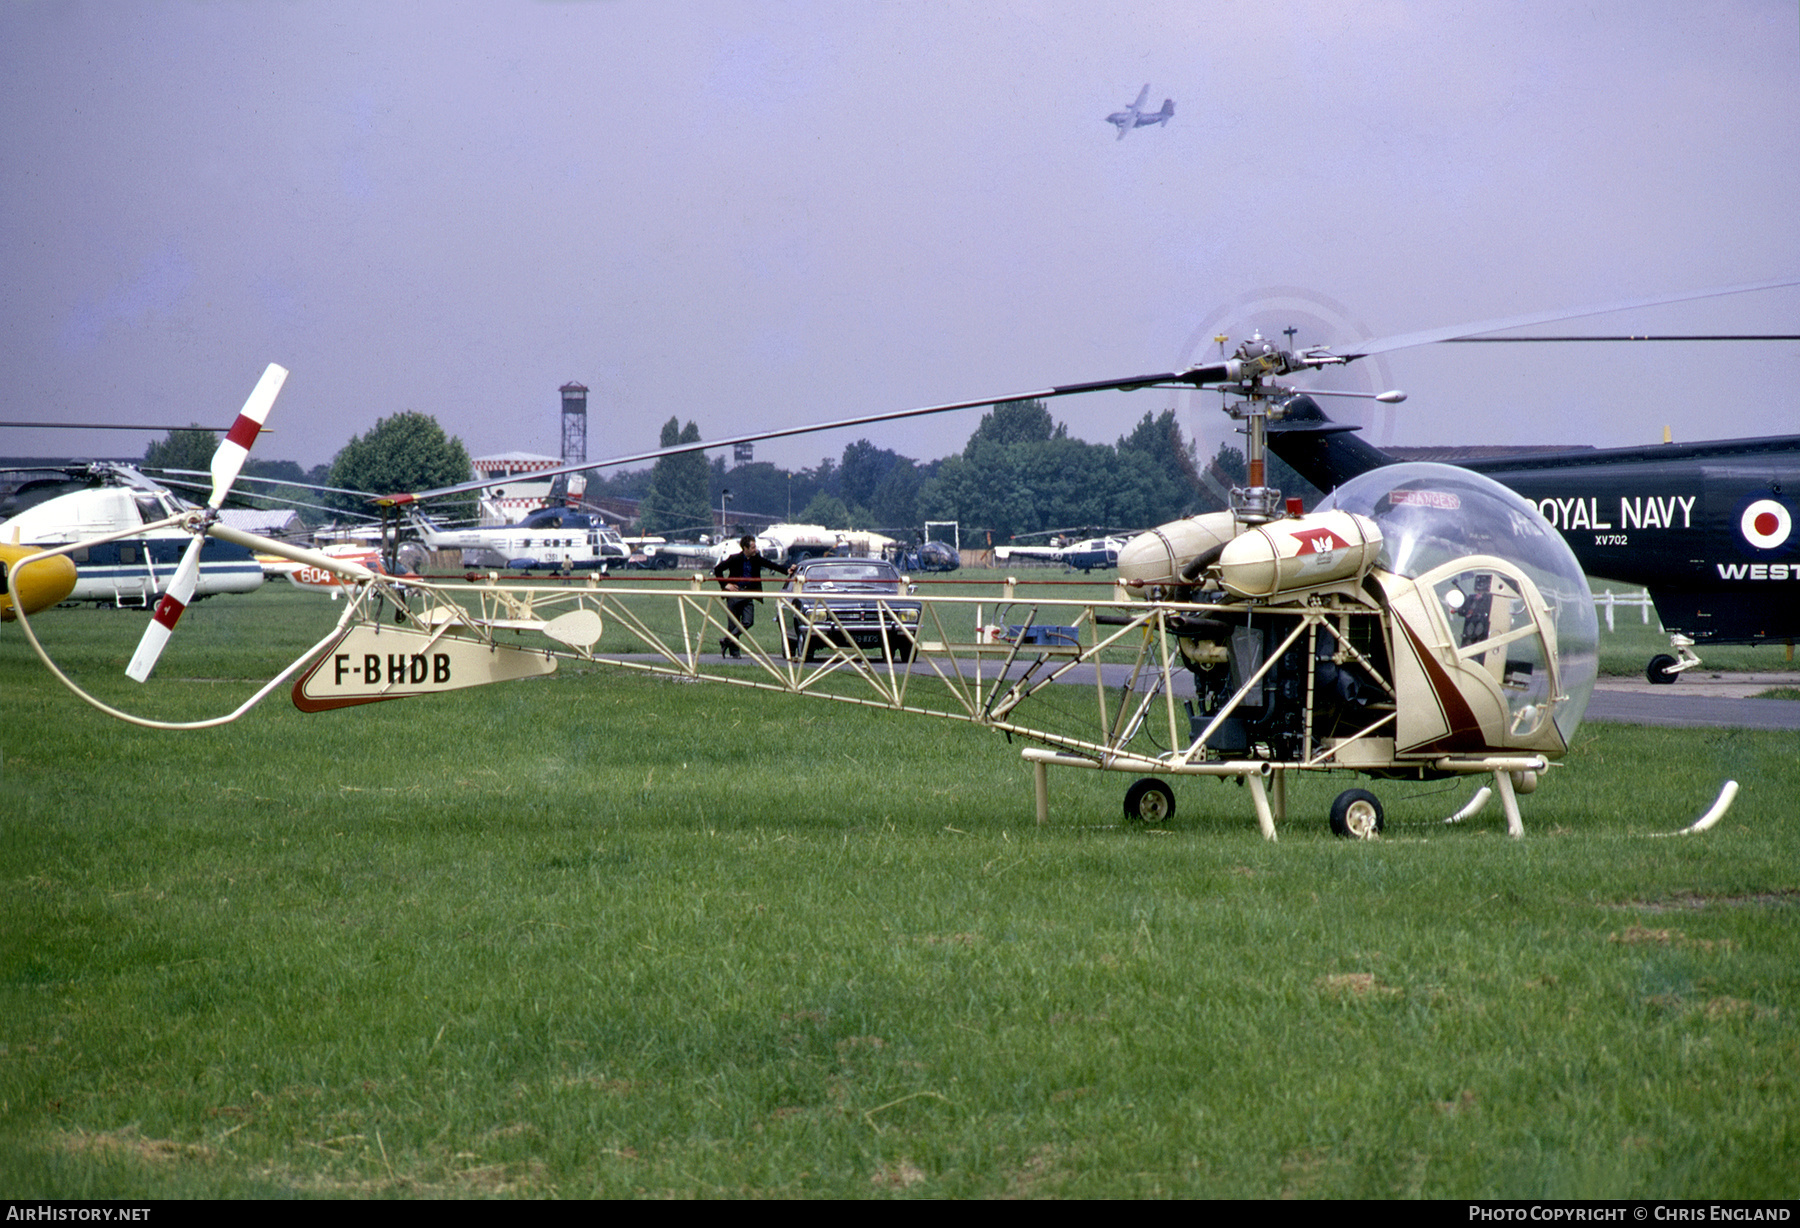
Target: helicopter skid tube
x,y
1503,767
1256,771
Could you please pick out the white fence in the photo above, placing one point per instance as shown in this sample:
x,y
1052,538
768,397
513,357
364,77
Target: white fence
x,y
1609,601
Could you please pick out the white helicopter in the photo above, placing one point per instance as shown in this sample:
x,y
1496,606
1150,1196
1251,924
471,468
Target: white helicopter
x,y
1083,555
1426,623
137,561
549,539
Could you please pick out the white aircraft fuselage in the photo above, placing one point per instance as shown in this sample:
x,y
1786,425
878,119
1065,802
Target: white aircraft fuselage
x,y
135,570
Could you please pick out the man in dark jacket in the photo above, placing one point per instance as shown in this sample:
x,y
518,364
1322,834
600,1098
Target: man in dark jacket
x,y
742,573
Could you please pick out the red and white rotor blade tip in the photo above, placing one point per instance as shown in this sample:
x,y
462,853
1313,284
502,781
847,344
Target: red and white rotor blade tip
x,y
229,457
168,612
227,460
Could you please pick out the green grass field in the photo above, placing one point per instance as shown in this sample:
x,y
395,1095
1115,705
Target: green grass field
x,y
604,935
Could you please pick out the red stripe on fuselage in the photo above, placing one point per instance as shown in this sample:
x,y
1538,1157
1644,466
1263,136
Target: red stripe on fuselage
x,y
243,432
1465,730
168,611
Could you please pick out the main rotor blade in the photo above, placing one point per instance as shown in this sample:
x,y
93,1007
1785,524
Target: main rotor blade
x,y
107,426
284,500
199,473
1631,337
229,456
1457,332
168,613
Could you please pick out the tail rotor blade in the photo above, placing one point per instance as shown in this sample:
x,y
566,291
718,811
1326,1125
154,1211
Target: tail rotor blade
x,y
229,458
168,613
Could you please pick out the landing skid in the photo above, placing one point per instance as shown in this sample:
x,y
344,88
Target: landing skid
x,y
1268,784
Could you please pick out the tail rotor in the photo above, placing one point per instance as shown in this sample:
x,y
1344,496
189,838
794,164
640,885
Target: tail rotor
x,y
227,461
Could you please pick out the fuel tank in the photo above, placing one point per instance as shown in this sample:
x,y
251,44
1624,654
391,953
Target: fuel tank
x,y
1298,553
1163,554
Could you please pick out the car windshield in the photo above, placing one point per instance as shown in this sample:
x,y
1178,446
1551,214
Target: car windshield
x,y
839,573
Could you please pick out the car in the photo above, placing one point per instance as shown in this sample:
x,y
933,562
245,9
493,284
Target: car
x,y
836,603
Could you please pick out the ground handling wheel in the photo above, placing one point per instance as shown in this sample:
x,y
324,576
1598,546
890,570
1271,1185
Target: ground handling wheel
x,y
1149,800
1356,815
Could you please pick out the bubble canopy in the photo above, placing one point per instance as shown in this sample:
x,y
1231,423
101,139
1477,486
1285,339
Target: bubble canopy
x,y
1431,515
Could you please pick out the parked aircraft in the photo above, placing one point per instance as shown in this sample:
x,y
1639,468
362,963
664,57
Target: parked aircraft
x,y
1082,555
1133,116
1095,552
938,556
549,539
787,544
321,580
144,547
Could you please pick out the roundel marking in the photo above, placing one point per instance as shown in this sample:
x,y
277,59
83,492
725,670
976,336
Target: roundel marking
x,y
1766,524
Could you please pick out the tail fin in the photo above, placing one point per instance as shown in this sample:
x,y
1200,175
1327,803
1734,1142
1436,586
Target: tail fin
x,y
1324,452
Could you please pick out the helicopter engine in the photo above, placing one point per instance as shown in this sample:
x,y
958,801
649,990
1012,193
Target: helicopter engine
x,y
1274,562
1270,720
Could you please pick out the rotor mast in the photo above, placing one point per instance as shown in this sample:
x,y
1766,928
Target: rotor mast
x,y
1259,402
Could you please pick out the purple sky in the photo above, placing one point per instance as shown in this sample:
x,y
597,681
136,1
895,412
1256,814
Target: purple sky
x,y
763,214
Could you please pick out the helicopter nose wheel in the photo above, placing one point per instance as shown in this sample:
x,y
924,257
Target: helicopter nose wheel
x,y
1149,800
1356,815
1660,670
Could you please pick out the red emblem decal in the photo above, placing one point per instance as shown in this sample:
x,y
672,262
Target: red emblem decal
x,y
1319,541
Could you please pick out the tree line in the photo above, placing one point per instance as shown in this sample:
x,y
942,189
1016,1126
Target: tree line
x,y
1019,474
404,452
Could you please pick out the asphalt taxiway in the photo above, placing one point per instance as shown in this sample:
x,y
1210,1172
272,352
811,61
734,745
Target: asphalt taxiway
x,y
1698,699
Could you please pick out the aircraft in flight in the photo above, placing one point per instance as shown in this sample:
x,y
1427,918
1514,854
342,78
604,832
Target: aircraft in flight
x,y
1133,116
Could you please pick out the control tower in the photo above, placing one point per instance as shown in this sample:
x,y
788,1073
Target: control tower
x,y
574,423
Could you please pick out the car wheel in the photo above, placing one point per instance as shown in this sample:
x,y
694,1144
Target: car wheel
x,y
1356,815
1149,800
1659,670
